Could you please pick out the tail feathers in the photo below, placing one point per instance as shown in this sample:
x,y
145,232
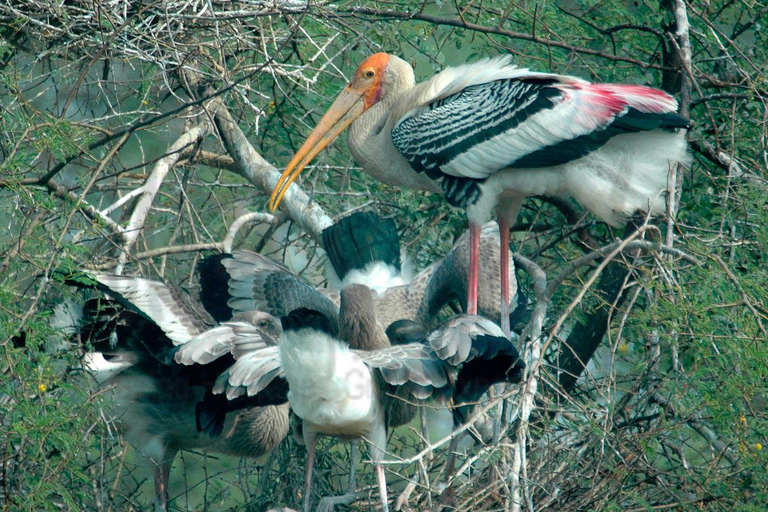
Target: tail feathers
x,y
362,238
629,174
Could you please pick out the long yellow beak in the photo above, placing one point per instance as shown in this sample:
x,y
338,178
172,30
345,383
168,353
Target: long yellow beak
x,y
347,107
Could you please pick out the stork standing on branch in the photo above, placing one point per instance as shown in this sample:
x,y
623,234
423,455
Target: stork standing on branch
x,y
489,134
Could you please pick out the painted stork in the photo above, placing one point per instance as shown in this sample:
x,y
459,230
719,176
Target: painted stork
x,y
156,402
346,388
489,134
245,281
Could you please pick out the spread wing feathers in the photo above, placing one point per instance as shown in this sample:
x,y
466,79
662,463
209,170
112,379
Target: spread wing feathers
x,y
464,338
510,122
258,283
447,279
169,307
251,374
418,293
362,238
403,301
414,369
237,338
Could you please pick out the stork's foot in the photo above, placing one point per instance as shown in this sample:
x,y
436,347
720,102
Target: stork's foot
x,y
328,504
402,501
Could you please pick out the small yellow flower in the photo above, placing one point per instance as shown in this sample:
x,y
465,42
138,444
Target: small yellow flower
x,y
41,387
744,420
759,446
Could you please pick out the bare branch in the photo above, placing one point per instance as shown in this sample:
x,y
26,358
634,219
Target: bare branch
x,y
307,213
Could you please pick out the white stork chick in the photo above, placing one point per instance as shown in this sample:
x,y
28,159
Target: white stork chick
x,y
489,134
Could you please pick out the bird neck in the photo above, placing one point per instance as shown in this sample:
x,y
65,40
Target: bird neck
x,y
358,324
373,129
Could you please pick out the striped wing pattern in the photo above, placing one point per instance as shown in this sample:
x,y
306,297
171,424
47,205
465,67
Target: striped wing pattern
x,y
448,127
522,122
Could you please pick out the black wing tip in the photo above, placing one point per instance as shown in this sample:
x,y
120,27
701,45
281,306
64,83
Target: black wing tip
x,y
305,318
501,356
635,120
214,286
359,239
210,414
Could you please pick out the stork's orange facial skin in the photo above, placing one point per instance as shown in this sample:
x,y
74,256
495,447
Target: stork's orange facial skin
x,y
360,94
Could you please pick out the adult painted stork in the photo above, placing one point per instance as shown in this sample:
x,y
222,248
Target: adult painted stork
x,y
489,134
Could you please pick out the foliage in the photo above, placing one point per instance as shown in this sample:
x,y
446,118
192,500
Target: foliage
x,y
671,409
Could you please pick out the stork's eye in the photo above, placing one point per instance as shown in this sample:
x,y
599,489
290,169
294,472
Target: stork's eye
x,y
263,323
368,73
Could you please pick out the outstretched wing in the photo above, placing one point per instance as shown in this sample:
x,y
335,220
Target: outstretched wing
x,y
252,374
413,368
449,277
258,283
169,307
237,338
463,338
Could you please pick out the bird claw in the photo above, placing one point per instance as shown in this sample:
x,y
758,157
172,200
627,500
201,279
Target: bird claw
x,y
402,501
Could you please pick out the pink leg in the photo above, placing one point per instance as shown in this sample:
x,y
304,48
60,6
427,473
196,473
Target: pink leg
x,y
382,487
474,256
310,440
504,232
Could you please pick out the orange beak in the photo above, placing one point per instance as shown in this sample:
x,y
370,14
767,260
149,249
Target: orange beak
x,y
347,107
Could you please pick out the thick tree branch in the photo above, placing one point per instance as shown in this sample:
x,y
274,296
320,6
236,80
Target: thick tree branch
x,y
308,214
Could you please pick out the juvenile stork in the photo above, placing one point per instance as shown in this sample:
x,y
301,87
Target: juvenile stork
x,y
346,388
489,134
157,403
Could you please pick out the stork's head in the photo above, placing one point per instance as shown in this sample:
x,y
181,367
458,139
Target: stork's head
x,y
359,95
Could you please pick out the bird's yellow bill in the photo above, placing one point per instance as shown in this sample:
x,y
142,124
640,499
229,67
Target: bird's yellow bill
x,y
347,107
